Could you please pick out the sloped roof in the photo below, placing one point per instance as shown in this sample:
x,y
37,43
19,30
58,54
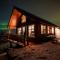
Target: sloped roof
x,y
28,13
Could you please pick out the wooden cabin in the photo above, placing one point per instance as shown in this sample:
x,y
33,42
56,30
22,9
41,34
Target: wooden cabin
x,y
28,26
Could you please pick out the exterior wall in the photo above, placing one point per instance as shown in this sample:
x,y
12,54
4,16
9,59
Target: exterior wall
x,y
36,30
28,20
39,29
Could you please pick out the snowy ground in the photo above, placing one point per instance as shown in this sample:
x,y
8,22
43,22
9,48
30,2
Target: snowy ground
x,y
46,51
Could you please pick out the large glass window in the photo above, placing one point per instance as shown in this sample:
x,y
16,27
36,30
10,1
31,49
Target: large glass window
x,y
19,31
14,18
43,29
23,19
31,31
50,30
23,30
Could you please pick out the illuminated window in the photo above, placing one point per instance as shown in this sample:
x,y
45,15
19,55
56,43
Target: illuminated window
x,y
43,29
50,30
23,19
15,15
23,30
57,32
31,31
19,31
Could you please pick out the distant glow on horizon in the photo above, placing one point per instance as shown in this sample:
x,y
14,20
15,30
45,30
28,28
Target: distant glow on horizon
x,y
3,26
4,23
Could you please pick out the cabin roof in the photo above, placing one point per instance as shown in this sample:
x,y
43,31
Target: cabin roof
x,y
30,14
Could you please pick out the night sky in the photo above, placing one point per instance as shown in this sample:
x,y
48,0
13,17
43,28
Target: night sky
x,y
46,9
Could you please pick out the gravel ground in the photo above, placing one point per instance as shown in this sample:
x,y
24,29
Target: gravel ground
x,y
46,51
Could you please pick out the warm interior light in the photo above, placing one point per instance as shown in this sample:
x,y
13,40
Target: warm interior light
x,y
15,15
12,23
19,31
57,32
31,31
23,30
23,19
43,29
52,30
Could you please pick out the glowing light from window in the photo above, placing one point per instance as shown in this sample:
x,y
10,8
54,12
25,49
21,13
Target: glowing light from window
x,y
15,15
31,31
23,19
23,30
52,30
57,32
43,29
19,31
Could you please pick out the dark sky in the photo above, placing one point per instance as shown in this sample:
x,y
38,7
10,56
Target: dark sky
x,y
46,9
